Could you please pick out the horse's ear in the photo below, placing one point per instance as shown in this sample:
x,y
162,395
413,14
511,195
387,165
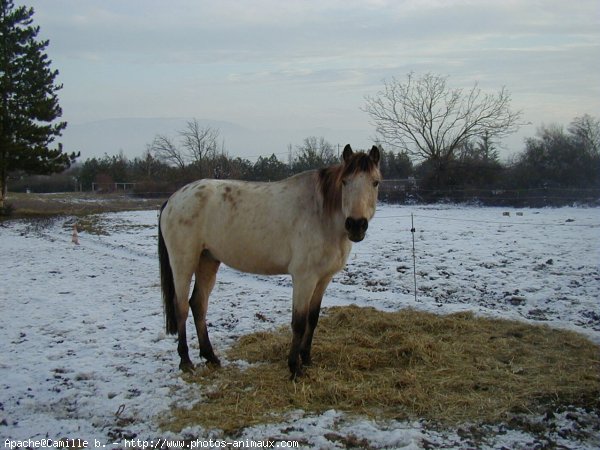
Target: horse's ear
x,y
347,153
374,154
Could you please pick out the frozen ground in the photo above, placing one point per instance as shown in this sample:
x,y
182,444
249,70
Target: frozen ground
x,y
83,354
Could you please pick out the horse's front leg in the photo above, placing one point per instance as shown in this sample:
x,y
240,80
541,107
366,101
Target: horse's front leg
x,y
303,291
314,310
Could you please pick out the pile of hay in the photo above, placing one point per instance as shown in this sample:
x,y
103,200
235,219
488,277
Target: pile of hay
x,y
402,365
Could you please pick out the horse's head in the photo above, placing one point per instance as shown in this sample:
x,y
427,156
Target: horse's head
x,y
360,178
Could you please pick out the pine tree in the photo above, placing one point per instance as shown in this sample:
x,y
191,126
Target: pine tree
x,y
29,106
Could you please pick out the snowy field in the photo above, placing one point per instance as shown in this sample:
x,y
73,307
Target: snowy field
x,y
83,354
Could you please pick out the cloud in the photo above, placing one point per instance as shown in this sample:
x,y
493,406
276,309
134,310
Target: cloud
x,y
297,61
192,32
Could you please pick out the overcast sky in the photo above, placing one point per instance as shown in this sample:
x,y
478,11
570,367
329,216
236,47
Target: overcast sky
x,y
289,65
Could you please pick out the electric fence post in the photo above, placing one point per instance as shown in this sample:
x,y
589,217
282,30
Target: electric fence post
x,y
412,230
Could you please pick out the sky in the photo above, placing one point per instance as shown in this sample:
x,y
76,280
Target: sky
x,y
288,66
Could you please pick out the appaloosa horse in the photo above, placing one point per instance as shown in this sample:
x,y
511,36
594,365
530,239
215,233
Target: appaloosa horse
x,y
303,226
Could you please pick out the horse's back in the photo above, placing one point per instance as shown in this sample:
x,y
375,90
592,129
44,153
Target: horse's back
x,y
252,227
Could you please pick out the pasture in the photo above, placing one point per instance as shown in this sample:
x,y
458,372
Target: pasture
x,y
75,203
84,354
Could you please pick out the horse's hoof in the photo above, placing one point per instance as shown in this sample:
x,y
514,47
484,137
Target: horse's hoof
x,y
210,358
298,373
214,362
187,367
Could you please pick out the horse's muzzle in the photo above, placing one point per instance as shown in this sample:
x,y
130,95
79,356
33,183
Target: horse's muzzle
x,y
356,228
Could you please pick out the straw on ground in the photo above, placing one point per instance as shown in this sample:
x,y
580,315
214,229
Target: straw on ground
x,y
402,365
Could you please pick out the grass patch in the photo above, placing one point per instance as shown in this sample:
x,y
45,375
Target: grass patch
x,y
75,203
98,224
403,365
6,210
92,224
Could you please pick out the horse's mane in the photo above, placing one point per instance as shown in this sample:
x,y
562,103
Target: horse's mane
x,y
330,179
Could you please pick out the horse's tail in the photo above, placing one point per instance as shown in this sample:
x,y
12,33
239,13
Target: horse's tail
x,y
166,281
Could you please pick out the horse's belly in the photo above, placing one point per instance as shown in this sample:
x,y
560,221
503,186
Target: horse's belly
x,y
260,255
260,269
251,262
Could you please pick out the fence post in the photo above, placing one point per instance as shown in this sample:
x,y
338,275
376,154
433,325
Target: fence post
x,y
412,230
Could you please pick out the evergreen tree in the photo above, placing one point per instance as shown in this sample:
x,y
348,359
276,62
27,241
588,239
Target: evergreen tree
x,y
395,165
269,169
29,106
559,159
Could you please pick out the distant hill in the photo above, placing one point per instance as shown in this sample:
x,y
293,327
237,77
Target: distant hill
x,y
132,135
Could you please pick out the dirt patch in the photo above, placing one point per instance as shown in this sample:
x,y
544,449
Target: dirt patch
x,y
404,365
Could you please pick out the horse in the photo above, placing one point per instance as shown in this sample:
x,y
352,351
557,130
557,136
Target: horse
x,y
303,226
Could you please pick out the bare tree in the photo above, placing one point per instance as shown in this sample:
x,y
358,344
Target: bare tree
x,y
165,150
430,121
196,145
199,142
314,152
586,130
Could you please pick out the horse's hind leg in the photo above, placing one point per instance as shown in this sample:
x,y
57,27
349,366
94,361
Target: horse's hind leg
x,y
206,274
182,307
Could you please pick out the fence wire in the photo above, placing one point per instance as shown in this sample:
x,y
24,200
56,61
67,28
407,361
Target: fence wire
x,y
412,222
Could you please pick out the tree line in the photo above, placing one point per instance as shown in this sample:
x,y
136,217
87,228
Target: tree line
x,y
556,157
168,164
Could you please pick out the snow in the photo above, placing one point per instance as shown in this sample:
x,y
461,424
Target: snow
x,y
83,354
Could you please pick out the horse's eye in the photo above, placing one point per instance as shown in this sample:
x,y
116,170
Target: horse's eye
x,y
375,183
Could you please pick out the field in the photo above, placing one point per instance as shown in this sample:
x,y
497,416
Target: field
x,y
84,355
76,203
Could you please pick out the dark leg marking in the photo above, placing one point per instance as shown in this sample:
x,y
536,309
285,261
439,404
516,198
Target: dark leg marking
x,y
206,274
199,313
298,329
305,347
182,347
313,319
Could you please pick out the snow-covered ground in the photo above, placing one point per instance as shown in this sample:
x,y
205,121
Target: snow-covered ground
x,y
83,354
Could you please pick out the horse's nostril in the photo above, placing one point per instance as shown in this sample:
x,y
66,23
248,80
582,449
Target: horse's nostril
x,y
349,223
363,224
356,225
